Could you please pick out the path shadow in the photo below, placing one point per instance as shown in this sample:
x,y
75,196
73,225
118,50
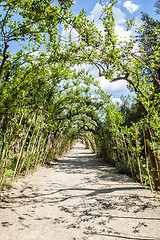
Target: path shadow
x,y
69,193
105,198
86,163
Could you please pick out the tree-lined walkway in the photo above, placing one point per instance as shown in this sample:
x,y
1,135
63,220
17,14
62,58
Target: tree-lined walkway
x,y
79,197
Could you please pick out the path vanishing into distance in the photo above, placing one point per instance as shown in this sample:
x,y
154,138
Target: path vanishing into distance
x,y
79,197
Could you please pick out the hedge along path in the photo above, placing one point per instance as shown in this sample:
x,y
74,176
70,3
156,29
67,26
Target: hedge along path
x,y
79,197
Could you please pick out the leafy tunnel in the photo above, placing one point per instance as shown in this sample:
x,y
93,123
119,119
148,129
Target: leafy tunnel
x,y
48,100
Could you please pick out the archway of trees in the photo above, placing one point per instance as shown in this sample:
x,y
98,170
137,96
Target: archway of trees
x,y
47,104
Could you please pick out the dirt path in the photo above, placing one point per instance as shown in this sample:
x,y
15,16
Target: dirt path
x,y
79,198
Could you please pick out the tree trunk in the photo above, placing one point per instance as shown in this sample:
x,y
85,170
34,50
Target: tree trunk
x,y
128,156
138,160
29,160
154,163
42,149
21,151
153,160
24,159
146,157
48,146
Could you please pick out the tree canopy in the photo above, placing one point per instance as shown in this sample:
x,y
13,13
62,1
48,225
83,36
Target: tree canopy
x,y
46,99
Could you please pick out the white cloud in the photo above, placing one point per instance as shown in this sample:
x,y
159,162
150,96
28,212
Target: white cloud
x,y
95,15
122,33
119,16
120,19
115,88
119,87
131,7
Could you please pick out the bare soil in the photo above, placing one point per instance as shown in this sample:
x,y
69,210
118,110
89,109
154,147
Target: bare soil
x,y
79,197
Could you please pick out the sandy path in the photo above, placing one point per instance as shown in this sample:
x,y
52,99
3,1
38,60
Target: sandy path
x,y
79,198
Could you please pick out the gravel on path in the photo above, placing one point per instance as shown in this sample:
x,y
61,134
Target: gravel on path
x,y
79,197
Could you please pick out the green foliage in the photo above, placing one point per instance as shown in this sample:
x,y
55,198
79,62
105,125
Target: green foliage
x,y
46,103
157,5
130,110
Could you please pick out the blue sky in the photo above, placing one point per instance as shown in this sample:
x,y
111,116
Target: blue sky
x,y
146,6
123,10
